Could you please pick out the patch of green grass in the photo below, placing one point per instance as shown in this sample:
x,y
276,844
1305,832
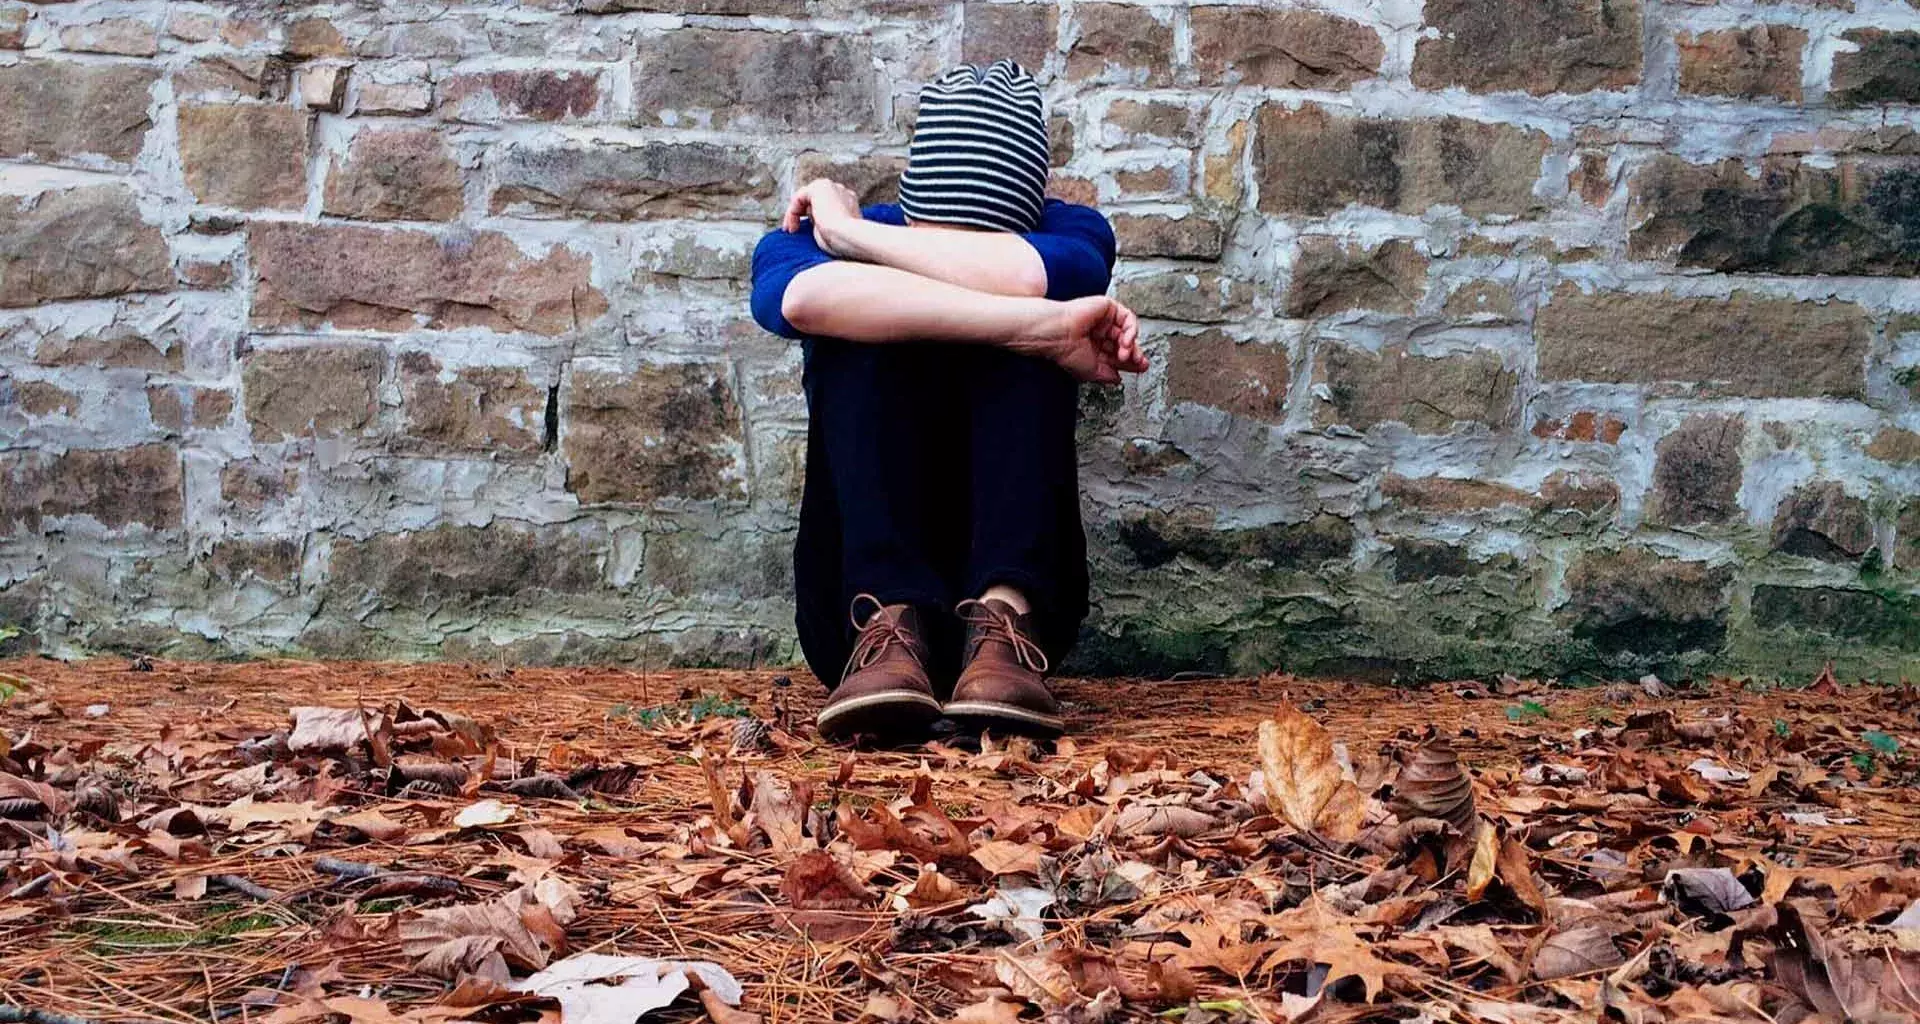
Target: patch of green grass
x,y
1883,744
685,712
1527,711
212,933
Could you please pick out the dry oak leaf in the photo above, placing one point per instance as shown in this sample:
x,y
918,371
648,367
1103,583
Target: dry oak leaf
x,y
1304,781
1004,857
1038,979
778,813
989,1011
1323,937
13,787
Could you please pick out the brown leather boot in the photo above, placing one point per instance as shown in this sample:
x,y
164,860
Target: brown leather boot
x,y
1003,684
884,691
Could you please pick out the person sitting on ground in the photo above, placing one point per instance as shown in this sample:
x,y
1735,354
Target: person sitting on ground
x,y
944,342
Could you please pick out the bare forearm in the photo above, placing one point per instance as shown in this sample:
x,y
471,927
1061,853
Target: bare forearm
x,y
863,302
985,261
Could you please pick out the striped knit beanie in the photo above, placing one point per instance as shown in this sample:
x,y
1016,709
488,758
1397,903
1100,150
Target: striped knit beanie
x,y
980,150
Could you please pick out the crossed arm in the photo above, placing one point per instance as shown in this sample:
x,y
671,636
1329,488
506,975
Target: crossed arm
x,y
882,283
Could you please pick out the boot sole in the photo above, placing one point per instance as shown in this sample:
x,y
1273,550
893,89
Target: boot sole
x,y
993,714
887,715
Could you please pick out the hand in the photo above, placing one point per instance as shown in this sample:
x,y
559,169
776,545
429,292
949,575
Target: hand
x,y
830,205
1096,339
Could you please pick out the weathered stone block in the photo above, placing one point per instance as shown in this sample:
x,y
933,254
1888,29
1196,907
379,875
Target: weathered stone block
x,y
115,487
1295,49
13,27
1416,561
1155,538
1881,620
272,559
118,346
252,484
490,97
621,182
391,280
77,244
1452,494
1759,60
1906,536
1577,491
308,38
1821,520
662,431
1245,378
488,409
462,564
1120,42
1635,601
324,87
1745,345
323,389
44,398
249,75
1792,218
1167,122
122,37
1697,471
55,110
1330,277
699,77
1200,296
252,155
392,93
875,179
1312,162
1430,394
1539,48
1586,426
719,257
1024,32
1884,69
1900,447
762,8
1190,237
1564,491
394,174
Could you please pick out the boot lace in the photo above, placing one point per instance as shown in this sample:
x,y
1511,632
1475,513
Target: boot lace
x,y
877,634
995,624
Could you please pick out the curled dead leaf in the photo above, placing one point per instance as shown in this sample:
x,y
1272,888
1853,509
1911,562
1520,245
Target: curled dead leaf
x,y
1163,819
1432,784
1581,949
816,880
318,730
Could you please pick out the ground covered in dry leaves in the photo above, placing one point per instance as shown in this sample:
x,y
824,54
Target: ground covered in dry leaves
x,y
292,842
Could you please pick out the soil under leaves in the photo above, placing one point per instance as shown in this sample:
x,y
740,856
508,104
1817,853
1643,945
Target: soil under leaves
x,y
177,843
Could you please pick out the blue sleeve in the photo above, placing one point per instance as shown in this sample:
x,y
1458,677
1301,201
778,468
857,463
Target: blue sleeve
x,y
1076,245
777,260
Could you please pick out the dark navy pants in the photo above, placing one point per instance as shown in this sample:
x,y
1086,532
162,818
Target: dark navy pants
x,y
933,473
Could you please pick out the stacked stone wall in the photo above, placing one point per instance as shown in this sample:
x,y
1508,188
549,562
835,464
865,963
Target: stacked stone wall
x,y
1570,336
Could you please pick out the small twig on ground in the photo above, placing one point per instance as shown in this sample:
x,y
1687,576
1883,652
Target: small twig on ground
x,y
31,888
10,1014
244,887
346,868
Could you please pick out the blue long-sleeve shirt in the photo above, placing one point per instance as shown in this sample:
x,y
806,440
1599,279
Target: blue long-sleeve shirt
x,y
1075,244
